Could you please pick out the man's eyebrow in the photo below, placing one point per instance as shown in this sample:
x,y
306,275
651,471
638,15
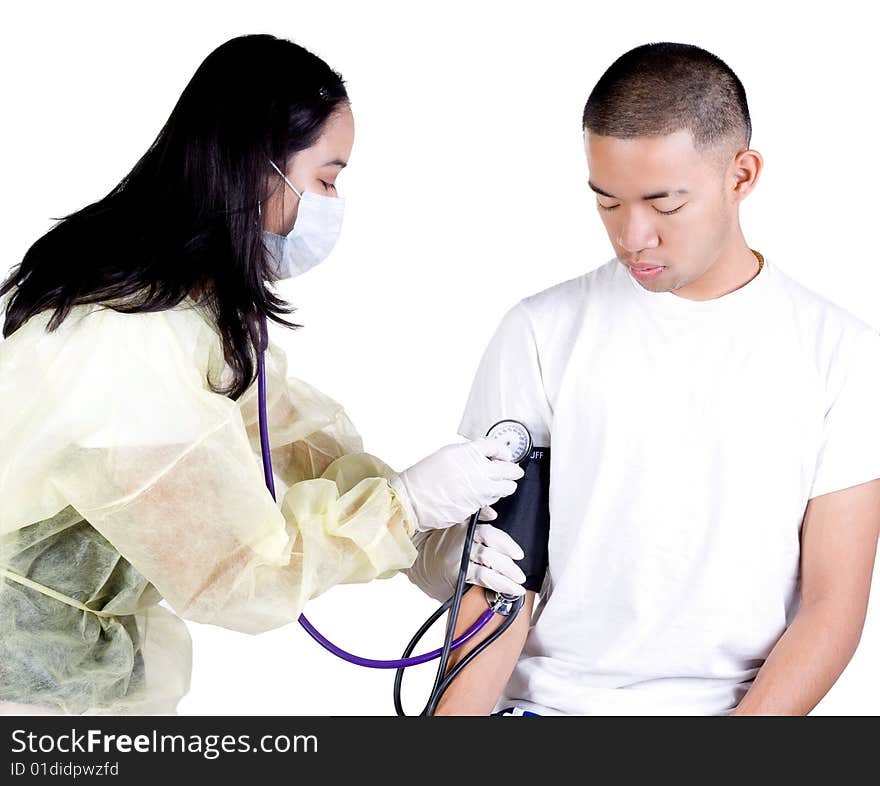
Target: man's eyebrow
x,y
662,194
656,195
336,162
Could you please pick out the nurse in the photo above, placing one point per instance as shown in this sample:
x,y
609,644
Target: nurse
x,y
130,467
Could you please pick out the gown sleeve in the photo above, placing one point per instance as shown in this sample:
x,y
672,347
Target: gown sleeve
x,y
131,436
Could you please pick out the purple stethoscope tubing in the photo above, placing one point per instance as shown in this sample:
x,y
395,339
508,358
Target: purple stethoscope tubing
x,y
310,629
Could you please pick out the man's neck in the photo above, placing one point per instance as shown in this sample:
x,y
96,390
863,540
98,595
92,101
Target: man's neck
x,y
730,272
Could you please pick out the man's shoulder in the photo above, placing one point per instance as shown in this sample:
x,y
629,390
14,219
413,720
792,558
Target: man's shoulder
x,y
814,309
569,297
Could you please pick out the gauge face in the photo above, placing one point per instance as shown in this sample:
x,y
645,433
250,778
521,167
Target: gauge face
x,y
515,435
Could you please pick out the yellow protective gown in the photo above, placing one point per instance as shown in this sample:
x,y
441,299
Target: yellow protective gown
x,y
125,479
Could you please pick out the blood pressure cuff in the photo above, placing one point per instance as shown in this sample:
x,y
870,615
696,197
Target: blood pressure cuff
x,y
525,516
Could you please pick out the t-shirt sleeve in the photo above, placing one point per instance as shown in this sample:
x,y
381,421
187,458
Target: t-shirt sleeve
x,y
508,384
850,450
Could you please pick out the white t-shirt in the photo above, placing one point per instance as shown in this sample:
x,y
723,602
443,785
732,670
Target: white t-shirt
x,y
687,438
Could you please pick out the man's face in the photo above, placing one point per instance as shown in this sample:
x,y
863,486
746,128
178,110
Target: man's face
x,y
663,204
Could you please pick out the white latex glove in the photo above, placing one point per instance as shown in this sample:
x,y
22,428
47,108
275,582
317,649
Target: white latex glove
x,y
449,486
491,561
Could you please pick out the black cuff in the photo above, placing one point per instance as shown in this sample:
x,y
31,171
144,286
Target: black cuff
x,y
525,516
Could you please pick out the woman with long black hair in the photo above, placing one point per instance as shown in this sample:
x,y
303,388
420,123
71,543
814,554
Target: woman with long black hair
x,y
130,465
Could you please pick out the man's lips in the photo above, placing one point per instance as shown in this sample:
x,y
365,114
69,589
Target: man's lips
x,y
641,266
643,272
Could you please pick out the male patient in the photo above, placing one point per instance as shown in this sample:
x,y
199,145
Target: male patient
x,y
714,430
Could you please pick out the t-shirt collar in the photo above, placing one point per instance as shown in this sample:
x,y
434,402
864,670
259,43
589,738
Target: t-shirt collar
x,y
744,297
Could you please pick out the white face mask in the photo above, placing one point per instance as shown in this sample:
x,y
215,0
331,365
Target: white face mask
x,y
315,231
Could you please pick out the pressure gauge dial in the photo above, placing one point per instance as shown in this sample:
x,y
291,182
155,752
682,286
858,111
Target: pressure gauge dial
x,y
515,435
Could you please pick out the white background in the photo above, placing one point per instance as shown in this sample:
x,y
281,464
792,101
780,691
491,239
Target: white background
x,y
466,191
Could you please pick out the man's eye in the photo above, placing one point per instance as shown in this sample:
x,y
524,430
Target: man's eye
x,y
606,207
670,212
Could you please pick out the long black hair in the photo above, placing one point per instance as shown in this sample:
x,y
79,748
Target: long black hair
x,y
186,221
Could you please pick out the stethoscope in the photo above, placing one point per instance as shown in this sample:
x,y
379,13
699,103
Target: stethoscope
x,y
513,434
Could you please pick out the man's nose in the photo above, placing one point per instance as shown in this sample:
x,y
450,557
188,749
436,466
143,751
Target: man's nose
x,y
636,233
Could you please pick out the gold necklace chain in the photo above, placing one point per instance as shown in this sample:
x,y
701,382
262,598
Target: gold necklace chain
x,y
760,259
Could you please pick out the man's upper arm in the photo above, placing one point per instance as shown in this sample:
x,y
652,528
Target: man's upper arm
x,y
842,518
509,383
838,545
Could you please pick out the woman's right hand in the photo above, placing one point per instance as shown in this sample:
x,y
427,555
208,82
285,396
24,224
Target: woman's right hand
x,y
449,486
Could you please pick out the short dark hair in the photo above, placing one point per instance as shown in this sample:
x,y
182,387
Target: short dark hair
x,y
658,89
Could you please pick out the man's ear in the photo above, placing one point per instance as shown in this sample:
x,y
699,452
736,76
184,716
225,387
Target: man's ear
x,y
743,173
